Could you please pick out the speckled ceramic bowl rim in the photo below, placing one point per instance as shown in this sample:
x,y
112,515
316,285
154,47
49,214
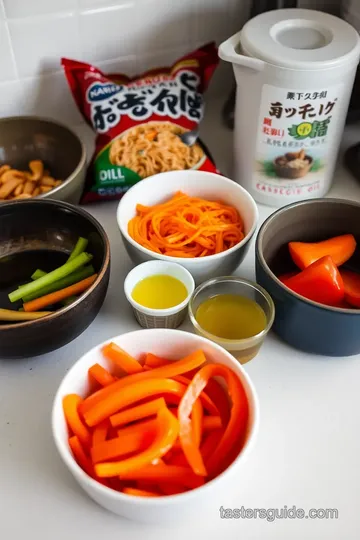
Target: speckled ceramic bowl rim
x,y
101,273
231,342
266,268
81,164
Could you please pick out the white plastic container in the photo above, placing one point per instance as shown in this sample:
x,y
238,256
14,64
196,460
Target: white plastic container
x,y
295,70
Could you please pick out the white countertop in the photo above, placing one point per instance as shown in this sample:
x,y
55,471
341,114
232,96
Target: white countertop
x,y
307,452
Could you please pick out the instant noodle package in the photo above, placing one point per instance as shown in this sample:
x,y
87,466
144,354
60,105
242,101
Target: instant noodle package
x,y
139,121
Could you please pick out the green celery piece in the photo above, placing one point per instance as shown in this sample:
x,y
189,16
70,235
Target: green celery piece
x,y
38,274
51,277
66,281
80,246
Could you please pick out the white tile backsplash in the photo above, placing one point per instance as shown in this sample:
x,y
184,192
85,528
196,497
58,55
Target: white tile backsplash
x,y
163,24
39,42
7,65
127,36
29,8
108,33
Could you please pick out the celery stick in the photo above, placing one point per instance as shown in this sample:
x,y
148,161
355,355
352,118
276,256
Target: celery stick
x,y
80,246
66,281
51,277
38,274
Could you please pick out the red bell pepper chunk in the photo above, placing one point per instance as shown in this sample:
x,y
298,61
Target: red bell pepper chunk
x,y
351,287
339,248
320,282
288,275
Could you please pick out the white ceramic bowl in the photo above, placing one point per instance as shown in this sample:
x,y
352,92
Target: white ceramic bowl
x,y
160,187
171,344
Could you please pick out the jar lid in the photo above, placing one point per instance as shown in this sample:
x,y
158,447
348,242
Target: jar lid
x,y
301,39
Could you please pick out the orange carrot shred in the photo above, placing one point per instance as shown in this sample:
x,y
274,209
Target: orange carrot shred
x,y
187,226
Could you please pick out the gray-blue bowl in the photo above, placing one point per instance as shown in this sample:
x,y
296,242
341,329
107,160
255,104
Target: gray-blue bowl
x,y
307,325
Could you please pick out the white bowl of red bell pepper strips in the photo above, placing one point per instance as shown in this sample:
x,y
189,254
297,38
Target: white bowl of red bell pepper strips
x,y
156,424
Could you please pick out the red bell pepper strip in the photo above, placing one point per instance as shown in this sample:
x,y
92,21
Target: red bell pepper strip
x,y
234,431
339,248
162,472
121,358
320,282
352,287
80,456
71,404
192,361
129,395
166,434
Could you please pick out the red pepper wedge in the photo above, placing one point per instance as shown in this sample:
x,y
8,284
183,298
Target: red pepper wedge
x,y
234,431
320,282
352,287
339,248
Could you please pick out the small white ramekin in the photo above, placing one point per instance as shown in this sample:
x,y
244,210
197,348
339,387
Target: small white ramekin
x,y
159,318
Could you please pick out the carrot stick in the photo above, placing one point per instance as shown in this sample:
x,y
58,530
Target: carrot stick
x,y
167,432
101,375
121,358
70,406
140,492
136,413
55,297
79,454
100,433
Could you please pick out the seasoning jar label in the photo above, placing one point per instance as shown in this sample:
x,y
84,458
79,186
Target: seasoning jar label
x,y
297,138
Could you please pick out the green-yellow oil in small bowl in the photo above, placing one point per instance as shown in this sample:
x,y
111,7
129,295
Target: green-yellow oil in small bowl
x,y
231,316
159,292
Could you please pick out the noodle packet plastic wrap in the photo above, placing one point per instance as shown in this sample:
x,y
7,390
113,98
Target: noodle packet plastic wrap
x,y
139,120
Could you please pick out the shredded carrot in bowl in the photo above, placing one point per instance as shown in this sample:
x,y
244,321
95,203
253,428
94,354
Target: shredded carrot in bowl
x,y
187,226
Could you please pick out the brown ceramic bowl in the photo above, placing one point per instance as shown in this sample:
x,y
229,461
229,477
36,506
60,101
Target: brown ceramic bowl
x,y
41,234
292,173
27,138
